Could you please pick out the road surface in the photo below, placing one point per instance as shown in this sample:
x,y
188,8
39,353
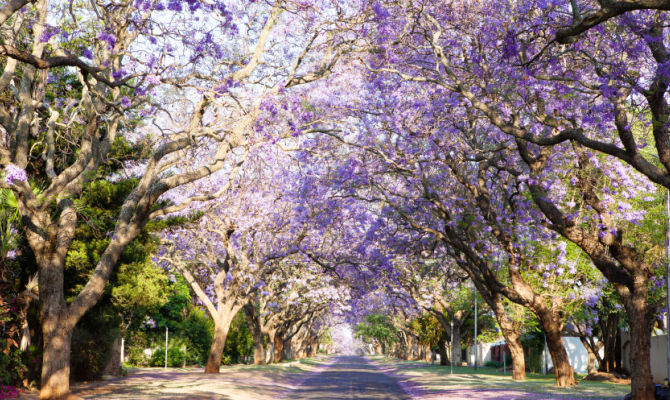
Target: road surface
x,y
349,377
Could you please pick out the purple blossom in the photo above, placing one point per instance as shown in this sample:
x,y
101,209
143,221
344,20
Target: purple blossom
x,y
380,12
14,173
48,33
125,102
153,80
510,46
108,38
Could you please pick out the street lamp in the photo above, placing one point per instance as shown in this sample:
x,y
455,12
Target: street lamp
x,y
451,348
475,328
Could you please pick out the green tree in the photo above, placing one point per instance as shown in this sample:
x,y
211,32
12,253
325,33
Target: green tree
x,y
379,328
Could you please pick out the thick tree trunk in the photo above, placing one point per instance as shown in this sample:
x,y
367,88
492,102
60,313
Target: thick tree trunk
x,y
456,354
442,350
565,376
642,386
512,337
259,352
270,351
518,361
55,358
221,327
287,350
256,334
278,349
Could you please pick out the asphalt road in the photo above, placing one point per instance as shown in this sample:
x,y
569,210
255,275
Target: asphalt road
x,y
350,377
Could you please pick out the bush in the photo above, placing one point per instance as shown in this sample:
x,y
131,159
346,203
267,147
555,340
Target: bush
x,y
493,364
11,366
136,356
176,357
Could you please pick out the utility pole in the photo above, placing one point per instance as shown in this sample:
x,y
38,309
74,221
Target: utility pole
x,y
475,329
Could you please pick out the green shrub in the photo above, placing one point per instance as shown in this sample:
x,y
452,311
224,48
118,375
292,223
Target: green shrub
x,y
176,357
11,366
493,364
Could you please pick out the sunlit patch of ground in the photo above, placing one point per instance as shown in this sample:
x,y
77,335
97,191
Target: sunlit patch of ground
x,y
263,382
425,381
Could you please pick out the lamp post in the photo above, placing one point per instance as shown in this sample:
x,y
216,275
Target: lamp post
x,y
451,349
475,329
166,345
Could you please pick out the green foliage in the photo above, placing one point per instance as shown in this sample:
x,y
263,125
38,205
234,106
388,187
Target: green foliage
x,y
239,343
198,331
428,329
176,357
12,368
326,338
377,327
533,343
189,328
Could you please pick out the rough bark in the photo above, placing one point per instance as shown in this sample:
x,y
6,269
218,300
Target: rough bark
x,y
57,336
256,333
642,386
518,361
565,376
278,349
442,350
512,336
221,327
456,354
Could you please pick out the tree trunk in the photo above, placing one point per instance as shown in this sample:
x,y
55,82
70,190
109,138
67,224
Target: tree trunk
x,y
512,337
642,386
592,347
442,350
259,353
278,349
518,360
565,376
270,351
456,354
256,333
287,350
221,327
610,331
55,378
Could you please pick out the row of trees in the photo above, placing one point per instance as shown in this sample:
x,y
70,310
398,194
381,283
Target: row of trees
x,y
422,144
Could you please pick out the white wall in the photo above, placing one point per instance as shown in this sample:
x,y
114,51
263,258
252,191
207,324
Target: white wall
x,y
577,354
483,354
659,360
